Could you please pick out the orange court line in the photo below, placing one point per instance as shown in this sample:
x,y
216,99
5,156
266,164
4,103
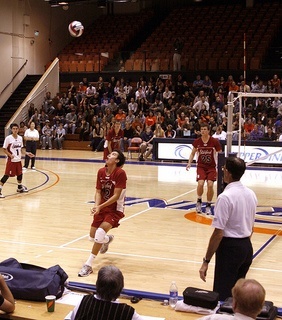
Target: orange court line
x,y
52,184
199,218
33,190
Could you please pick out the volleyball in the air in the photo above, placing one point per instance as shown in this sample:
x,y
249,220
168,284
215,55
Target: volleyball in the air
x,y
76,29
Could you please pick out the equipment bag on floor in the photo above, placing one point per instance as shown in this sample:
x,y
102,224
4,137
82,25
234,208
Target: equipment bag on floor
x,y
30,282
200,297
268,312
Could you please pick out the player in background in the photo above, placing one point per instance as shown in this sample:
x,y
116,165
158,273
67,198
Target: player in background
x,y
13,149
206,148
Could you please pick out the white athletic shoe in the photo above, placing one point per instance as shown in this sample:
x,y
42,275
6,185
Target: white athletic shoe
x,y
105,246
208,210
33,168
22,189
24,168
1,195
85,271
199,207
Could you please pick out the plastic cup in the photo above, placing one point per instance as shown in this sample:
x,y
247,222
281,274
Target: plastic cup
x,y
50,301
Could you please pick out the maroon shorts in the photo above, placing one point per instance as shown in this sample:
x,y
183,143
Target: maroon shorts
x,y
206,174
13,169
107,216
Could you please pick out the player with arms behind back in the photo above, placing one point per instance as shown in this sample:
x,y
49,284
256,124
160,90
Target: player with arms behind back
x,y
206,148
13,149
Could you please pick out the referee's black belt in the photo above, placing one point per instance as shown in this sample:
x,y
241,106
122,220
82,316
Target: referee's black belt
x,y
230,238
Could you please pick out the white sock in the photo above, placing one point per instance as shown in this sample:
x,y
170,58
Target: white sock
x,y
90,259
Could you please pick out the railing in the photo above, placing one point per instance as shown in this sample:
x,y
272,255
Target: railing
x,y
15,81
48,82
6,87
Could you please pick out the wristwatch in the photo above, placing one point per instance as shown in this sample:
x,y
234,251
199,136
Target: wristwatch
x,y
206,260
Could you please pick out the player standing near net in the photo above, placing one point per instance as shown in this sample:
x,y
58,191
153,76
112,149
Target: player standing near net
x,y
108,208
206,148
13,149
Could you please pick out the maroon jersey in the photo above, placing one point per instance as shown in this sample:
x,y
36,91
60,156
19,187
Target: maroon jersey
x,y
206,152
107,184
114,140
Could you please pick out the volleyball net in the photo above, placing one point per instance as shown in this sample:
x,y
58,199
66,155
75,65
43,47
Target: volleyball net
x,y
251,154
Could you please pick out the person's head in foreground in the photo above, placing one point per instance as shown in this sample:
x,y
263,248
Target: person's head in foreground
x,y
109,283
248,297
234,168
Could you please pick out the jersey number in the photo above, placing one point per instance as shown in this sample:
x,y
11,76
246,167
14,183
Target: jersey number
x,y
206,158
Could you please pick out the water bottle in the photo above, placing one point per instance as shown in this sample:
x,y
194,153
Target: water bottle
x,y
173,294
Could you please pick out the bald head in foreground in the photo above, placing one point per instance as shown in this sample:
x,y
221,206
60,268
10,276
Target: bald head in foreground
x,y
248,300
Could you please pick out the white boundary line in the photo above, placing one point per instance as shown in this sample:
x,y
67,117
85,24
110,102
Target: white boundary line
x,y
126,255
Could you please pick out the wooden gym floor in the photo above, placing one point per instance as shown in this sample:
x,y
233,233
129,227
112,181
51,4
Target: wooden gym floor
x,y
161,238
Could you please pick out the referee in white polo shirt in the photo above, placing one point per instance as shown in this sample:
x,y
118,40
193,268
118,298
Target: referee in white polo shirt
x,y
234,217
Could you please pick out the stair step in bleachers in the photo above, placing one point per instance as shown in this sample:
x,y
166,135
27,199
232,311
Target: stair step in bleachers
x,y
76,145
72,142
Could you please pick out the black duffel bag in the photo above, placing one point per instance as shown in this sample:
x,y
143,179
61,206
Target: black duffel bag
x,y
268,312
30,282
200,297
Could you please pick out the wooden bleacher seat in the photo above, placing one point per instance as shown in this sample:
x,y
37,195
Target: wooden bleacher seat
x,y
64,66
192,64
164,64
213,63
148,64
98,65
128,65
81,66
138,65
155,65
202,63
89,66
233,63
255,63
73,66
223,63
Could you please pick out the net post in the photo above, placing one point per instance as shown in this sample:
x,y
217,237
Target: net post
x,y
229,122
220,164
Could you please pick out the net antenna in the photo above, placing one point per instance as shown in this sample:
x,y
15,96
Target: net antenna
x,y
232,97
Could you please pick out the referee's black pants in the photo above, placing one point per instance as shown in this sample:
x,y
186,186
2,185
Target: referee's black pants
x,y
233,259
30,147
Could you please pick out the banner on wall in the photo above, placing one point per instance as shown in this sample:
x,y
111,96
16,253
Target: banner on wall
x,y
260,154
181,151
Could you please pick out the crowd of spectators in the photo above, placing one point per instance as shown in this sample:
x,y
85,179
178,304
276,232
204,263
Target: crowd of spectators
x,y
177,107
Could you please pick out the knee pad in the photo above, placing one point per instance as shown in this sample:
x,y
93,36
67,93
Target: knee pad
x,y
100,235
4,178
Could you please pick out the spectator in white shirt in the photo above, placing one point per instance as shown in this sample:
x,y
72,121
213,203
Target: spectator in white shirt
x,y
219,134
